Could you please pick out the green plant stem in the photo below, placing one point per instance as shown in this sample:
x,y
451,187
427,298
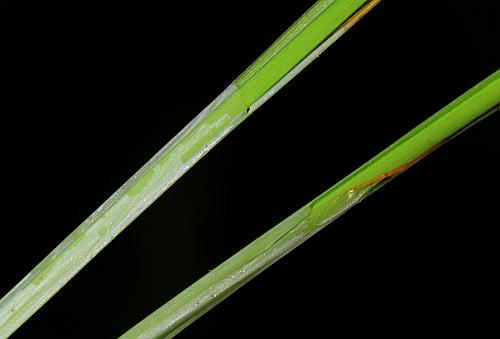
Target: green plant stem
x,y
218,284
317,29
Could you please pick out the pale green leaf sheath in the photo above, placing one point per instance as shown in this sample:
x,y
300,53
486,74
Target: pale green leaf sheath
x,y
218,284
318,28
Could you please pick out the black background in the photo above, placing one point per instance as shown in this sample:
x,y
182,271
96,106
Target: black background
x,y
95,88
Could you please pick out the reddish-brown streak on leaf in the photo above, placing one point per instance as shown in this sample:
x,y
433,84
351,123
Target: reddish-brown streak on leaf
x,y
355,18
401,168
398,169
